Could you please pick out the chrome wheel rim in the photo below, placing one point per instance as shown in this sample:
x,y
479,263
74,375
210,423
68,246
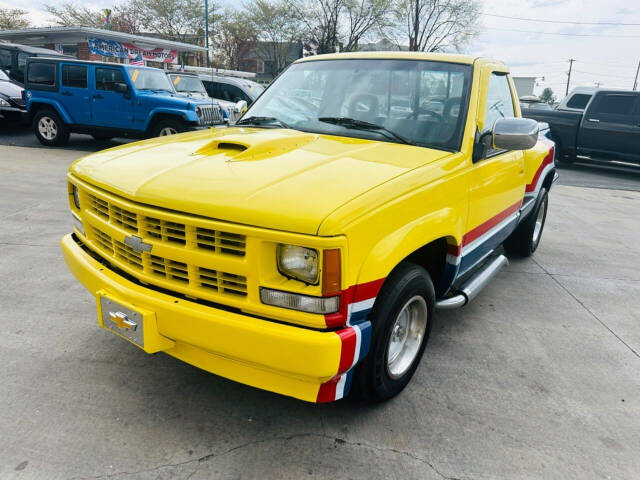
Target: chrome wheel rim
x,y
167,131
407,334
47,128
537,229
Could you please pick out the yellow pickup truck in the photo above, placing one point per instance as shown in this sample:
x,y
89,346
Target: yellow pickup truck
x,y
305,249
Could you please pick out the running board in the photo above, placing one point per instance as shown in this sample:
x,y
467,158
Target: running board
x,y
474,285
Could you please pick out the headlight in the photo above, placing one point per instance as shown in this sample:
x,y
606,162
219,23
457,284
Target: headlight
x,y
298,262
4,103
76,196
198,111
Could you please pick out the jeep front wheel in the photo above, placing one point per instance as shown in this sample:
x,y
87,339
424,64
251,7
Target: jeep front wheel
x,y
167,127
401,325
49,129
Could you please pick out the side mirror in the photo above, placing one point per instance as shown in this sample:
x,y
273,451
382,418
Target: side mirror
x,y
120,87
241,106
512,134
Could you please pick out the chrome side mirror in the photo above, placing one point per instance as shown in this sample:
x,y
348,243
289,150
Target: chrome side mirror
x,y
512,134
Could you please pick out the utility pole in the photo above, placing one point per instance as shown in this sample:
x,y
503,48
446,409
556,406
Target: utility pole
x,y
635,82
571,60
206,29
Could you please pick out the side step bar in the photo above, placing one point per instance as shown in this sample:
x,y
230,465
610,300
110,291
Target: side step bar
x,y
474,285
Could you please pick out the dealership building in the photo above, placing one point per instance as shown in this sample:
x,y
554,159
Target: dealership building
x,y
88,43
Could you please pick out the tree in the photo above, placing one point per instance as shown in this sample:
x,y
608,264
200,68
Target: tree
x,y
13,19
436,25
278,26
176,19
547,96
363,17
71,14
234,36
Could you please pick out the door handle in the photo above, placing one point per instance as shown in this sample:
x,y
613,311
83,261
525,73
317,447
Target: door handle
x,y
67,94
594,120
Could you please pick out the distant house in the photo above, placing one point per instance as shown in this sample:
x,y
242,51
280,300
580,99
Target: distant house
x,y
524,85
266,59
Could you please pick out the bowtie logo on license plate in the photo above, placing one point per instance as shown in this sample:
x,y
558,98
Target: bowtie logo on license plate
x,y
136,243
122,321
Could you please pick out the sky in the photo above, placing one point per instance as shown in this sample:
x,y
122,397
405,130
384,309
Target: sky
x,y
608,54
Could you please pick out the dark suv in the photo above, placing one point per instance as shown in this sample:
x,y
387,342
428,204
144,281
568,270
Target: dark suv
x,y
13,59
12,105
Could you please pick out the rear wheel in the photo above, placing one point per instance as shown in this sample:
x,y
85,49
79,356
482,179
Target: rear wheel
x,y
401,325
167,127
526,237
49,129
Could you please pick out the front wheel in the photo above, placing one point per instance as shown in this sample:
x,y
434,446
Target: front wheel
x,y
49,129
167,127
526,237
401,325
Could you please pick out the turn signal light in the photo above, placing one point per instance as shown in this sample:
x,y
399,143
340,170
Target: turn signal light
x,y
331,272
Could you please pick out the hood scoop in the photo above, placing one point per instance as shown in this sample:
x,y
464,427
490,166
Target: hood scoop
x,y
255,146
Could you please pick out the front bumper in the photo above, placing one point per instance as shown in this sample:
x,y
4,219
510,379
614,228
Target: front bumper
x,y
293,361
14,112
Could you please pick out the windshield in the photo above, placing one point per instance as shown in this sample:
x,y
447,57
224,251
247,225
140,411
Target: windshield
x,y
185,84
149,79
422,102
3,76
254,89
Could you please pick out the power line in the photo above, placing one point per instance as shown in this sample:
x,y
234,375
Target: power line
x,y
559,21
564,34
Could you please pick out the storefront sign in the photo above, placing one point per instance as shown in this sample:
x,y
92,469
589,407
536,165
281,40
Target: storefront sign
x,y
110,48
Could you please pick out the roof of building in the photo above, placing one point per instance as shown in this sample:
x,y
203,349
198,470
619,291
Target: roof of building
x,y
30,33
30,49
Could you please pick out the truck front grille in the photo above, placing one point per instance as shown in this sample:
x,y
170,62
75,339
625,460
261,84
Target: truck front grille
x,y
166,261
210,115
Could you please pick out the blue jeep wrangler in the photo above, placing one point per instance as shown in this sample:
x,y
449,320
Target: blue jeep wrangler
x,y
108,100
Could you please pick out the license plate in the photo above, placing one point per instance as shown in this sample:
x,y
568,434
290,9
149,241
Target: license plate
x,y
122,320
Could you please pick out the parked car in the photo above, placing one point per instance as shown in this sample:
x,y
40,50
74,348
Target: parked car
x,y
577,99
231,89
190,85
533,102
13,59
108,100
609,128
12,104
306,252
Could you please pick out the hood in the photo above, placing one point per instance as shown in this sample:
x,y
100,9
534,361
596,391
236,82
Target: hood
x,y
10,89
274,178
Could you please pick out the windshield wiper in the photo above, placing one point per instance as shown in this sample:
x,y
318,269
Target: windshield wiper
x,y
256,121
362,125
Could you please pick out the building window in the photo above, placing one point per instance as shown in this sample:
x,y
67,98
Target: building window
x,y
259,66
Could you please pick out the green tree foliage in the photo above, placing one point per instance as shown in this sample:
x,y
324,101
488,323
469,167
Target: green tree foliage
x,y
13,19
547,96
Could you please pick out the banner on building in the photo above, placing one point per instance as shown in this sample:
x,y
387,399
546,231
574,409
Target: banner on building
x,y
110,48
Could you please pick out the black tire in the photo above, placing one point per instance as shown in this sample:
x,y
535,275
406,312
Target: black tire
x,y
162,126
373,381
101,137
55,132
526,238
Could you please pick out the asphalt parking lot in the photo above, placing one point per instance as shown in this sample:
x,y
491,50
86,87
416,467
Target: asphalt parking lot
x,y
537,378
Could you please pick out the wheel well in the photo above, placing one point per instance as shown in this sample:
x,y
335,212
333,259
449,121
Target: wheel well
x,y
36,107
164,116
432,257
548,180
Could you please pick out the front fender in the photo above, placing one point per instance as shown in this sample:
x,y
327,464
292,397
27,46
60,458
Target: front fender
x,y
188,116
54,104
391,250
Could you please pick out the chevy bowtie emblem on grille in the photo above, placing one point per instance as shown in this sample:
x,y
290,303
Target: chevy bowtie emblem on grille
x,y
137,244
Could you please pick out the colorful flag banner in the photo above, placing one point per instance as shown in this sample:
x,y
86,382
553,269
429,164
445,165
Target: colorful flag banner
x,y
110,48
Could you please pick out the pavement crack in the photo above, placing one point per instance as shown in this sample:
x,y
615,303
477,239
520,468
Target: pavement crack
x,y
211,456
587,309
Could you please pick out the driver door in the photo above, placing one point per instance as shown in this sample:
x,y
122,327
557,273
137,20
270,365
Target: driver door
x,y
497,178
110,108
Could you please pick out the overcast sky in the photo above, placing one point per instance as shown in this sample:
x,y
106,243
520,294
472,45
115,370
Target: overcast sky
x,y
608,54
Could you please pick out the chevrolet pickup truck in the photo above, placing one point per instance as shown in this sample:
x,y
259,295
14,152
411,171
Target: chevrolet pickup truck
x,y
306,249
607,129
